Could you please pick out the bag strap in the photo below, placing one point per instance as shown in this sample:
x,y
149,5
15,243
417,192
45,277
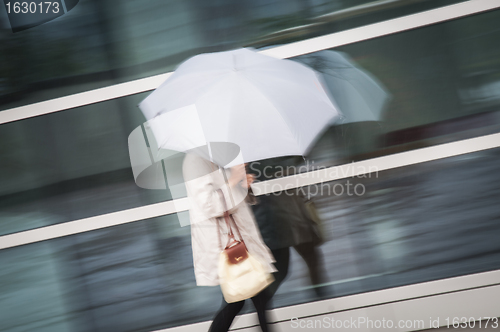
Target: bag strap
x,y
228,218
217,219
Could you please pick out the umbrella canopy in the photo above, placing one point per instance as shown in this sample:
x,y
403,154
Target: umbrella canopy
x,y
266,106
358,94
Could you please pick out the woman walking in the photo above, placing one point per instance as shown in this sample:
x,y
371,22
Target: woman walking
x,y
208,231
285,222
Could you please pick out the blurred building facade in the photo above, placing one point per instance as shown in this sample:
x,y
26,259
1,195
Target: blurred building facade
x,y
421,222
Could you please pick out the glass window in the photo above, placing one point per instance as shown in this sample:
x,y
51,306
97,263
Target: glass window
x,y
102,42
70,165
396,227
75,163
412,89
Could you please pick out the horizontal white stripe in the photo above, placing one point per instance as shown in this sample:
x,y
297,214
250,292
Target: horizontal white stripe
x,y
384,28
82,99
452,297
286,51
295,181
92,223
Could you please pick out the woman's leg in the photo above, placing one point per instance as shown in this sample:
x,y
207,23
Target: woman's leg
x,y
225,316
260,302
314,260
282,257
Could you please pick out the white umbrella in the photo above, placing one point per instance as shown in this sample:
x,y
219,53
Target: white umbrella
x,y
268,107
359,95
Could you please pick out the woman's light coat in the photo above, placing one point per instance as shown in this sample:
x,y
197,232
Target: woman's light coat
x,y
202,179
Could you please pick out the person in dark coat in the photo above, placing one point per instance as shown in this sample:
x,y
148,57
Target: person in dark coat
x,y
285,222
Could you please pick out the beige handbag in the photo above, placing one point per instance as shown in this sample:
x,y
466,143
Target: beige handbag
x,y
241,275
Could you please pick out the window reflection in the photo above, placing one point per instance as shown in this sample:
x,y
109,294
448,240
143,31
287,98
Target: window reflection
x,y
75,163
411,225
102,42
